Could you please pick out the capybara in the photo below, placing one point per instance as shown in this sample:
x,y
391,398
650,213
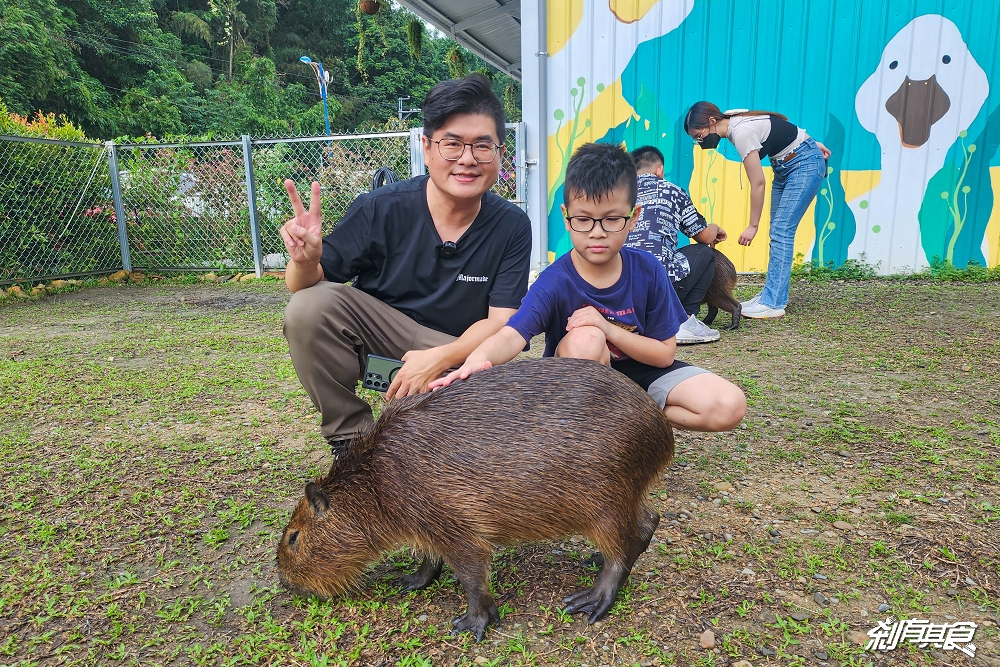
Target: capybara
x,y
530,450
720,292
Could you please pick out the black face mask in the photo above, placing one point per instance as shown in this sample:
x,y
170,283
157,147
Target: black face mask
x,y
710,141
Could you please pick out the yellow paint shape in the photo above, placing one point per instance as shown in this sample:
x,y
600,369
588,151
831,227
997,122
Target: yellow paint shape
x,y
609,109
563,19
993,226
857,183
727,203
630,11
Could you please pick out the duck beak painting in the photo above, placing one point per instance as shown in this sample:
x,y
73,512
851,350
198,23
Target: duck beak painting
x,y
916,106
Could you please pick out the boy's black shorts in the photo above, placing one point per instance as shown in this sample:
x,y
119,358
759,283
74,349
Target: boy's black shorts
x,y
657,382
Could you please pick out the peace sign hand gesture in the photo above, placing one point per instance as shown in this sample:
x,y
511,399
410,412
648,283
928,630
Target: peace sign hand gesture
x,y
303,234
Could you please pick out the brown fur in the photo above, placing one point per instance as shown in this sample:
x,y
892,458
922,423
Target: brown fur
x,y
720,292
530,450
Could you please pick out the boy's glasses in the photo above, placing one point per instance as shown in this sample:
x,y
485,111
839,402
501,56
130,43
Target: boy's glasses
x,y
609,223
483,152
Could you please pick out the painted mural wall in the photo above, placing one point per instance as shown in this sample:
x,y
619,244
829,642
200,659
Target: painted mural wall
x,y
906,93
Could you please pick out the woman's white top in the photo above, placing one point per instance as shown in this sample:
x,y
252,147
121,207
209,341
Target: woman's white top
x,y
747,133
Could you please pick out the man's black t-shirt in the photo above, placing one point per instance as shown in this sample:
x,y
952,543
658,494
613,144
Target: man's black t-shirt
x,y
388,240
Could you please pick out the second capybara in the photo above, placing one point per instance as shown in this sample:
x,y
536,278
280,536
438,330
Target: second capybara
x,y
720,292
530,450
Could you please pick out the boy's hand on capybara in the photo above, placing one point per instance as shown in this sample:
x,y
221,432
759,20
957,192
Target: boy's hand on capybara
x,y
462,373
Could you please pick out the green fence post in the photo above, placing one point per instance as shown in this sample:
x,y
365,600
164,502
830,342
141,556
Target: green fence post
x,y
258,260
116,193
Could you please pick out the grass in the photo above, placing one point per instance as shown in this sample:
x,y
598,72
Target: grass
x,y
154,439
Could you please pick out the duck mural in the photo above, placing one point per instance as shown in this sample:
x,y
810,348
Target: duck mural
x,y
901,97
926,91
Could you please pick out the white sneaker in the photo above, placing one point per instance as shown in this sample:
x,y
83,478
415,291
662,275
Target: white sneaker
x,y
759,311
695,331
752,301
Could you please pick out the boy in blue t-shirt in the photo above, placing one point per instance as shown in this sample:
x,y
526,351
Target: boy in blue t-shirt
x,y
611,304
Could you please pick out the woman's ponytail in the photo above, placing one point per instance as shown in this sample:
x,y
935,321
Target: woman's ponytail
x,y
699,113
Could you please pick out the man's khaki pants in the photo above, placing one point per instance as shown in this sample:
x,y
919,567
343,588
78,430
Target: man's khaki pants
x,y
331,329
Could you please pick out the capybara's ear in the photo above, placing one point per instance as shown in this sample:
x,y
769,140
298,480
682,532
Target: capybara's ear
x,y
317,498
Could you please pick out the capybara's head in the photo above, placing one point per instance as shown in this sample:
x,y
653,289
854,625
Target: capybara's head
x,y
324,549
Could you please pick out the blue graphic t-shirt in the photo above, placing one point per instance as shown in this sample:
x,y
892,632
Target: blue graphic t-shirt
x,y
642,301
666,208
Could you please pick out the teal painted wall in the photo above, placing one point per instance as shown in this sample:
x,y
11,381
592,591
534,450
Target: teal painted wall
x,y
809,60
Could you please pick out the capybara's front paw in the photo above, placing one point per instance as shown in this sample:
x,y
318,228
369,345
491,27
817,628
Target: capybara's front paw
x,y
593,601
474,623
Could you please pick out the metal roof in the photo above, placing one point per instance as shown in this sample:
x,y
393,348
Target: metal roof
x,y
489,28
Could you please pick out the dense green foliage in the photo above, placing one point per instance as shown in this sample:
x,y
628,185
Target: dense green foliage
x,y
218,67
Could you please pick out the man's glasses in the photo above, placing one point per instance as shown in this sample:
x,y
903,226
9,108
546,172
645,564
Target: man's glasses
x,y
609,223
483,152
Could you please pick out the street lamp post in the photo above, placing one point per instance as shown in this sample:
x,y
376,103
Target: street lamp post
x,y
323,78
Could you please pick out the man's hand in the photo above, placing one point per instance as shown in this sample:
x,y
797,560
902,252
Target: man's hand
x,y
420,368
303,234
824,150
711,235
747,236
588,317
462,373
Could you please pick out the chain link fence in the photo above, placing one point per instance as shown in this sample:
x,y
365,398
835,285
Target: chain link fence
x,y
74,209
56,213
185,207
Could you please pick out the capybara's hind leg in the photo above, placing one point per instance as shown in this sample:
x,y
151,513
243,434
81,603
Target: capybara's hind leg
x,y
649,519
426,574
737,313
710,315
471,569
600,597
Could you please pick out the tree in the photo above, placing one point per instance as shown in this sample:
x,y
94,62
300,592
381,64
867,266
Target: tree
x,y
218,67
39,71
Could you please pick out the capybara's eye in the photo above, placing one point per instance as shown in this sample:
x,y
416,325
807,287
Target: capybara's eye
x,y
893,64
292,536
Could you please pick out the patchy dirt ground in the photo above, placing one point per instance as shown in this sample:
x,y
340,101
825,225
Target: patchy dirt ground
x,y
153,440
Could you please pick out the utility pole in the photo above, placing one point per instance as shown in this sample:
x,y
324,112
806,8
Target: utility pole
x,y
402,113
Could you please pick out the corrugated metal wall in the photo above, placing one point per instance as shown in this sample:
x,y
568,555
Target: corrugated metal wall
x,y
911,180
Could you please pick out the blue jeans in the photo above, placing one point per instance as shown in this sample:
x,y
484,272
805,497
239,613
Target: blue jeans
x,y
795,184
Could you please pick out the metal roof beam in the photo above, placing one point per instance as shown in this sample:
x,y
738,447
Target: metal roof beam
x,y
430,12
488,15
